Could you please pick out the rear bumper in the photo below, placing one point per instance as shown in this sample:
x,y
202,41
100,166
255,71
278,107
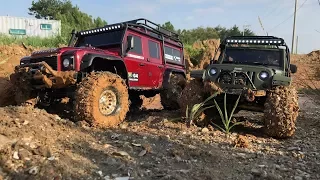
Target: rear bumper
x,y
41,75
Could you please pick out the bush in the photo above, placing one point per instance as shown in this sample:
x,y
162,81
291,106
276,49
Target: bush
x,y
33,41
196,55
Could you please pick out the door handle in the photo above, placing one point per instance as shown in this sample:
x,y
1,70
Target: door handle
x,y
141,64
160,66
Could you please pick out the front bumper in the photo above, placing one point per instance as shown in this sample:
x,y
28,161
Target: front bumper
x,y
41,75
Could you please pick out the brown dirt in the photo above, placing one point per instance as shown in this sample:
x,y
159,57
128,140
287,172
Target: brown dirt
x,y
308,74
281,112
88,93
9,57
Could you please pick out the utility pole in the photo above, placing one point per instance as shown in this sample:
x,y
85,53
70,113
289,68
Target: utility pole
x,y
297,44
294,24
262,25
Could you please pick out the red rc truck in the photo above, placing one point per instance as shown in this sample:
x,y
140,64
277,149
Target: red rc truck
x,y
104,71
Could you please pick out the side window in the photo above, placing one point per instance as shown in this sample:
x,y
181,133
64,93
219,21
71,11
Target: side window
x,y
172,54
137,45
153,49
168,53
177,55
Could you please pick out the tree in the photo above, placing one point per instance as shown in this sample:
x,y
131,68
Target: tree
x,y
168,26
71,16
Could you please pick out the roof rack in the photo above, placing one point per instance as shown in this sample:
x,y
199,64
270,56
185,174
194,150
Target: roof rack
x,y
156,28
262,40
143,23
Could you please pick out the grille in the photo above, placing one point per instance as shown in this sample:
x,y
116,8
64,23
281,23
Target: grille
x,y
236,78
51,61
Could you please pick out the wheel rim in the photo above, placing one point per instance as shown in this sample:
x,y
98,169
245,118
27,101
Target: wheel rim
x,y
108,102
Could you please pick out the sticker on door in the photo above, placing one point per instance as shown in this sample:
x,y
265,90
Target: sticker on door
x,y
133,76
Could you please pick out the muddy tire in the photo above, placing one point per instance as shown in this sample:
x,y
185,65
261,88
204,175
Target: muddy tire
x,y
281,112
192,94
169,96
102,100
135,102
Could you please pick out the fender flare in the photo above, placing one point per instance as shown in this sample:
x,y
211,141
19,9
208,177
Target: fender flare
x,y
88,59
168,72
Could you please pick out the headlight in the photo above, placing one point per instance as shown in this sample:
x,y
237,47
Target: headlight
x,y
66,62
263,75
213,71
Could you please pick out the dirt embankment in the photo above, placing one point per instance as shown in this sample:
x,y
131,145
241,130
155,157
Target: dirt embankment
x,y
9,58
308,74
207,49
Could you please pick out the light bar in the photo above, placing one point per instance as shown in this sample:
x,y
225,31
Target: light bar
x,y
92,31
253,41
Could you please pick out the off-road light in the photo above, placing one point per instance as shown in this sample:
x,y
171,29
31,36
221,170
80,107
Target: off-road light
x,y
213,71
66,62
263,75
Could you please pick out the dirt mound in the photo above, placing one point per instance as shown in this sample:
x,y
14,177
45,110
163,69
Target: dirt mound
x,y
9,58
206,50
308,74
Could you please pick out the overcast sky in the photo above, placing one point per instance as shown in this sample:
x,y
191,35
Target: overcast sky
x,y
276,15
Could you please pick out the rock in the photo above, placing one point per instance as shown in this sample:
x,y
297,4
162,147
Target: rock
x,y
121,153
298,178
256,172
204,130
24,154
15,155
123,126
51,158
294,149
56,117
34,170
142,153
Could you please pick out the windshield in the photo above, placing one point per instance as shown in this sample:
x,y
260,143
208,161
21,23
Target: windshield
x,y
253,56
98,40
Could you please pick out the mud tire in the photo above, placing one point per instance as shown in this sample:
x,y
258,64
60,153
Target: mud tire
x,y
86,104
135,102
281,112
169,95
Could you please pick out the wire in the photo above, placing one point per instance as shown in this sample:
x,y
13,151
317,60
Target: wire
x,y
288,17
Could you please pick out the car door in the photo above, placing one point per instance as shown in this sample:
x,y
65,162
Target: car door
x,y
136,63
155,62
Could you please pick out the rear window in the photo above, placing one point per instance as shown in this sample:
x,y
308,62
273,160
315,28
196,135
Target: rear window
x,y
172,54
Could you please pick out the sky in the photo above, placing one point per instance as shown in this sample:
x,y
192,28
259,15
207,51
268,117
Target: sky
x,y
276,15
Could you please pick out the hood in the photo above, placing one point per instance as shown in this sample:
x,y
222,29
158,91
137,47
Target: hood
x,y
54,51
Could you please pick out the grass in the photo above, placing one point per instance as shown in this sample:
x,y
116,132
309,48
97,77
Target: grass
x,y
32,41
197,110
226,119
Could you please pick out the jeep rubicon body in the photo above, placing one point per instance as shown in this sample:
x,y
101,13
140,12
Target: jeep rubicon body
x,y
103,70
258,69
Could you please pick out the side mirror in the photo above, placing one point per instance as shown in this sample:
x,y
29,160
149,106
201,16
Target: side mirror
x,y
293,68
130,43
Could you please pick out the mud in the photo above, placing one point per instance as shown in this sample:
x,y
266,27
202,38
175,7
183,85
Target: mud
x,y
281,112
88,94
